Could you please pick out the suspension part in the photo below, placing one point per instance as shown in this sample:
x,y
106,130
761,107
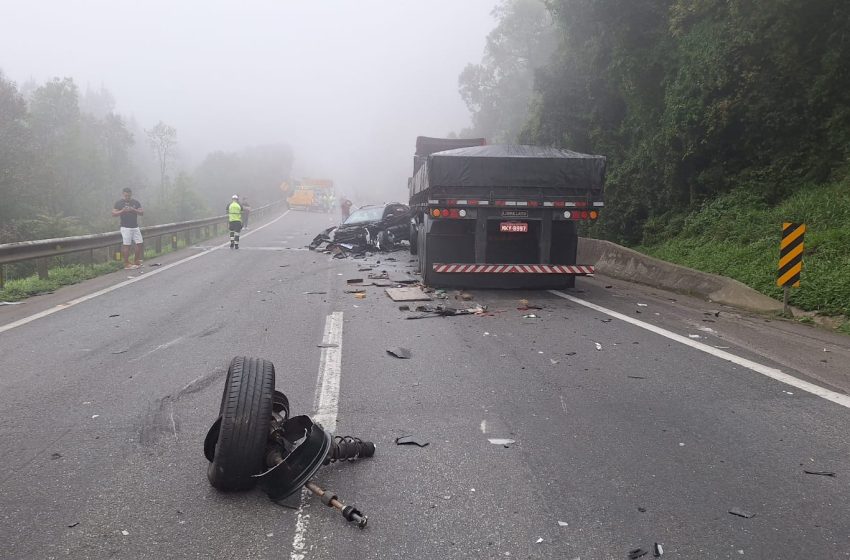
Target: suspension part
x,y
348,448
350,513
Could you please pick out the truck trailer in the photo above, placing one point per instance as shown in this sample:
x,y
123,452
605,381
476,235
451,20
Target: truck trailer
x,y
501,216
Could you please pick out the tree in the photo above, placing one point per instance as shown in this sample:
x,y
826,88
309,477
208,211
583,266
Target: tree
x,y
163,140
499,89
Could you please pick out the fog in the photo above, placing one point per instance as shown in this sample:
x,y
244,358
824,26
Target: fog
x,y
347,84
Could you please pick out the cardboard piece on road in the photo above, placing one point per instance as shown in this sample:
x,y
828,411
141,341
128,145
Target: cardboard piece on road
x,y
407,294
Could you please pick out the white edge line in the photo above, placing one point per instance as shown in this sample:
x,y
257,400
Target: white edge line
x,y
85,298
327,408
773,373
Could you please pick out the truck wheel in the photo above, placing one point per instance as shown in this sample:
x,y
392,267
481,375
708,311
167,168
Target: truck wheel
x,y
246,413
414,239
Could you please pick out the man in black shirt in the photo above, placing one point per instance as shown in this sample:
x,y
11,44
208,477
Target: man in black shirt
x,y
129,209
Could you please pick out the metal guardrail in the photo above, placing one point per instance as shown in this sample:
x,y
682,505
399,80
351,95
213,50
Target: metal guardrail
x,y
45,249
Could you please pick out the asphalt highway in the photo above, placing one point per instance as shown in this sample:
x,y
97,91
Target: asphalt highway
x,y
562,432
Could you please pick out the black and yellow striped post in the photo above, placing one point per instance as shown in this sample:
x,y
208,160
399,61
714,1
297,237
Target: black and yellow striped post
x,y
790,259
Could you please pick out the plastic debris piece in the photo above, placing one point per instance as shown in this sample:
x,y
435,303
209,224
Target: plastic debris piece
x,y
531,316
411,440
642,305
360,295
637,553
125,533
74,524
539,540
657,550
501,441
327,345
553,362
741,513
820,473
401,353
694,336
563,524
598,346
95,416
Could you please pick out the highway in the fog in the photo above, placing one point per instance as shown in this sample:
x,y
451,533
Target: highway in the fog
x,y
612,418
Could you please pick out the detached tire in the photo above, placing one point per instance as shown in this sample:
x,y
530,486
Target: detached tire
x,y
246,413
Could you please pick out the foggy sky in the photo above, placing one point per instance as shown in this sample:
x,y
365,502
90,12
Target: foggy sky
x,y
348,84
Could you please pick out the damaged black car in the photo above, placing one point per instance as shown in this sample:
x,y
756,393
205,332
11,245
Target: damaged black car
x,y
369,228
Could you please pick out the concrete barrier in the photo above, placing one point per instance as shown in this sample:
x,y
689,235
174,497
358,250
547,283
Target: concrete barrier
x,y
620,262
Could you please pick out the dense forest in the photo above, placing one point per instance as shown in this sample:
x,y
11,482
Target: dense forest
x,y
65,155
688,99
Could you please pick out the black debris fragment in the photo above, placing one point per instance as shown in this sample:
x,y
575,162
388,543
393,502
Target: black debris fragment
x,y
72,525
820,473
155,264
115,315
741,513
327,345
635,377
642,509
315,293
410,440
355,281
605,320
404,308
401,353
56,456
637,553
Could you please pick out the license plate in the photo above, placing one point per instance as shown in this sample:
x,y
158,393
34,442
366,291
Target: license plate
x,y
513,227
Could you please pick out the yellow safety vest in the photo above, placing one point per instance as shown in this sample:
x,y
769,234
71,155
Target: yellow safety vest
x,y
234,212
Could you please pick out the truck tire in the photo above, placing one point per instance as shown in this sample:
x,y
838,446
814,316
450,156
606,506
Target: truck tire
x,y
246,413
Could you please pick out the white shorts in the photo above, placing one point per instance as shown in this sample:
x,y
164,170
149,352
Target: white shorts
x,y
131,235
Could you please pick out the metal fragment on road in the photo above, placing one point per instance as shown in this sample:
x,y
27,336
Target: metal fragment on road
x,y
598,346
741,513
399,352
327,345
315,293
410,440
820,473
354,281
657,550
501,441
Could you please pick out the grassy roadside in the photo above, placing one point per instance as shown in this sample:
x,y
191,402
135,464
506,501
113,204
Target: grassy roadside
x,y
737,235
58,276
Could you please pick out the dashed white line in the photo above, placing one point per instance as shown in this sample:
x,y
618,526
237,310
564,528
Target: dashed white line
x,y
773,373
327,407
73,302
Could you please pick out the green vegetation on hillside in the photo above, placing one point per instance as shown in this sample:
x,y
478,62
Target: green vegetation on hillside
x,y
737,235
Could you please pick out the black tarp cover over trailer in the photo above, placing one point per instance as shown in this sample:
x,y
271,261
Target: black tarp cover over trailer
x,y
511,166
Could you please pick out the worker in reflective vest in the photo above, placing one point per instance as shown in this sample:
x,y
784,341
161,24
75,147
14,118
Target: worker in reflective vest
x,y
234,219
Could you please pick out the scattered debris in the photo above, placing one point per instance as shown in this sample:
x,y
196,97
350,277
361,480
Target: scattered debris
x,y
741,513
501,441
657,550
125,533
820,473
635,377
445,311
357,291
598,346
553,362
360,295
95,416
314,293
694,336
539,540
115,315
120,351
531,316
404,308
642,509
155,264
327,345
407,294
573,353
401,353
355,281
608,287
637,553
563,524
365,269
411,440
382,276
606,320
642,305
56,456
74,524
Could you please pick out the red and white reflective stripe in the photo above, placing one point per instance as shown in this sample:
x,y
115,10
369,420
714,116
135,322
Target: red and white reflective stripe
x,y
529,203
513,268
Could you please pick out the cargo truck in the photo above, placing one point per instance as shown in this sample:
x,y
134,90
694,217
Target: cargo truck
x,y
501,216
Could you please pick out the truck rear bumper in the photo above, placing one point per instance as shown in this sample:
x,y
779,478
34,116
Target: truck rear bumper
x,y
464,268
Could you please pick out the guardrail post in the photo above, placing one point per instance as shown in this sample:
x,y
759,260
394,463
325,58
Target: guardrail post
x,y
2,276
41,265
188,237
91,258
173,242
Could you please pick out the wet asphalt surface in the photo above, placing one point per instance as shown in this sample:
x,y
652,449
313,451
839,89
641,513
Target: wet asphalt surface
x,y
621,438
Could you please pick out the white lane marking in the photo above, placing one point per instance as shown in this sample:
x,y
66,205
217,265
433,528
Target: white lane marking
x,y
73,302
327,406
773,373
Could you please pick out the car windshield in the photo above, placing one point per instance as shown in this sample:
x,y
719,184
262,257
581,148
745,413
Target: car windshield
x,y
363,215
